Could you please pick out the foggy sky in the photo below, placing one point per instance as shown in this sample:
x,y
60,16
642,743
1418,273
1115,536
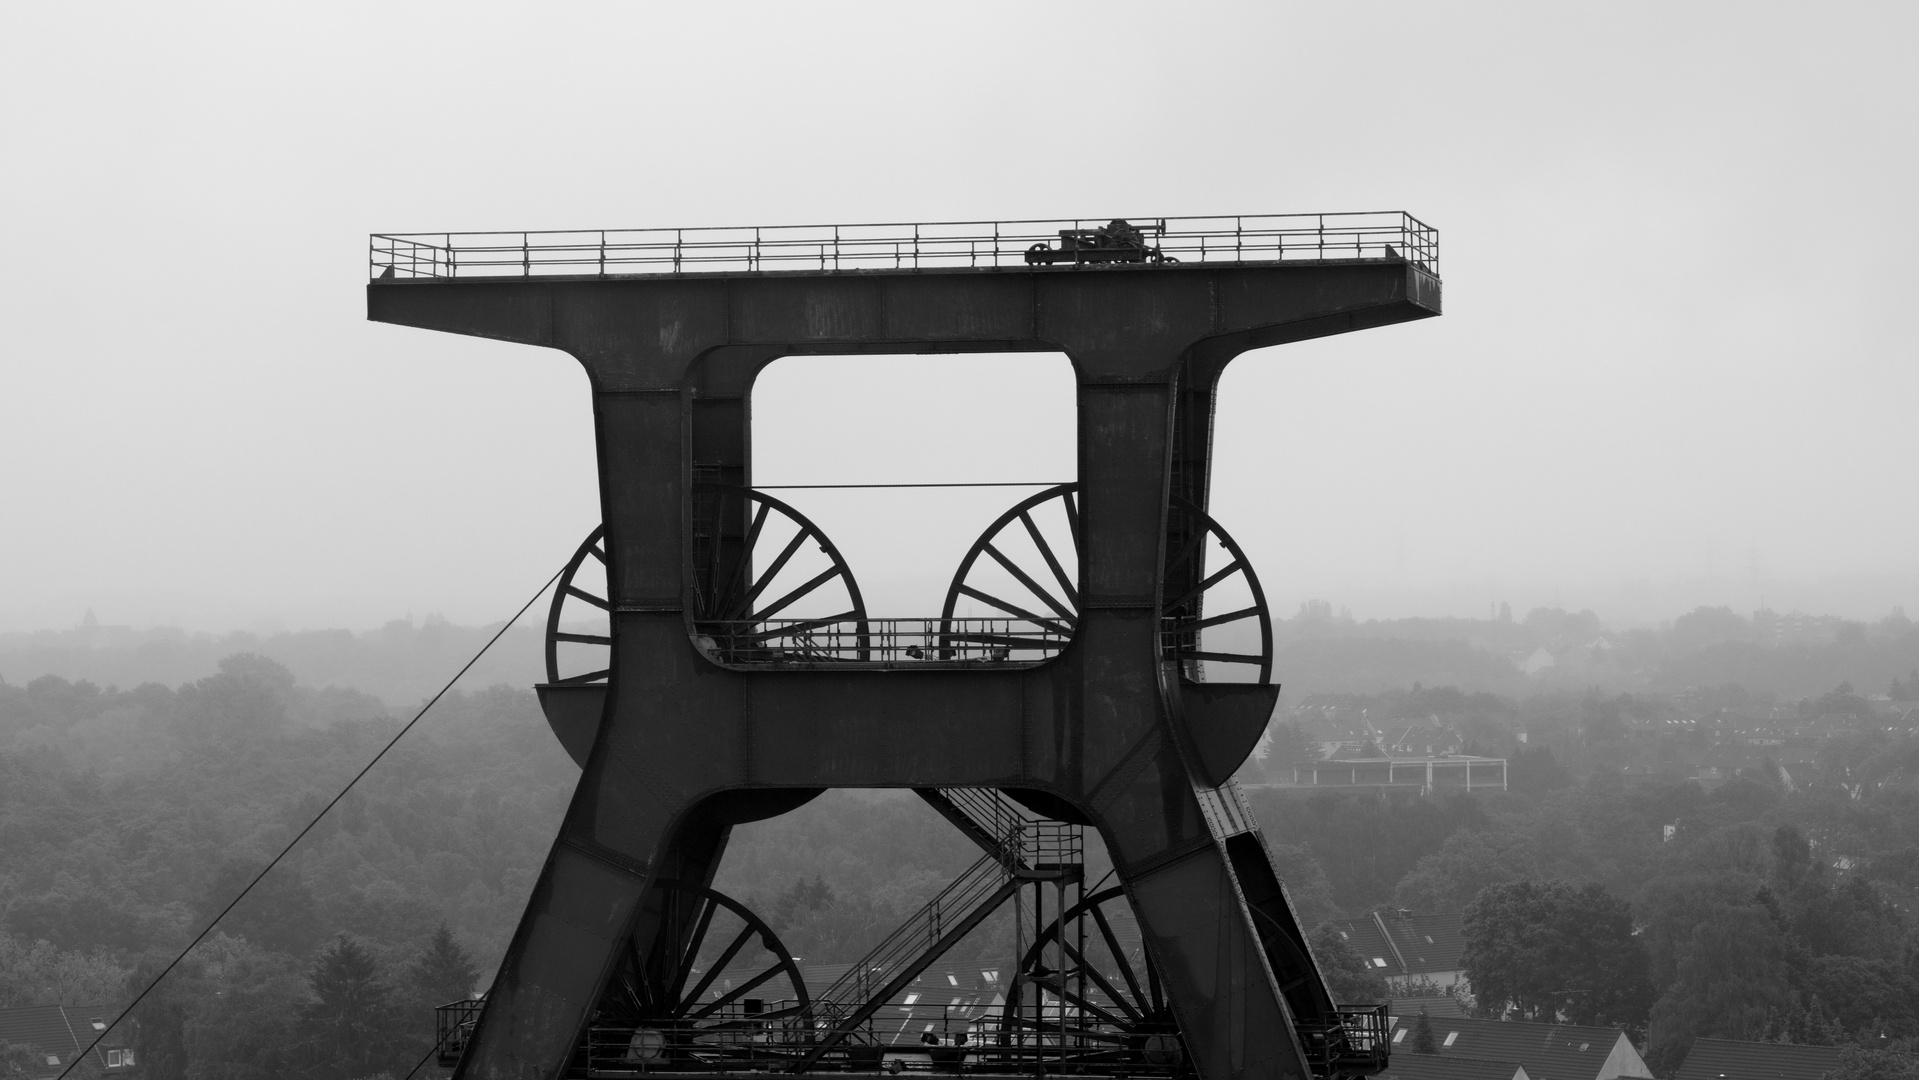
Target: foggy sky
x,y
1677,246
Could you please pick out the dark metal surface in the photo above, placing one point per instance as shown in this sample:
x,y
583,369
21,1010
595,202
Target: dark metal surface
x,y
1105,728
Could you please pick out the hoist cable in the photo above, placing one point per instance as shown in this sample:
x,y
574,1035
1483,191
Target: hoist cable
x,y
175,962
432,1050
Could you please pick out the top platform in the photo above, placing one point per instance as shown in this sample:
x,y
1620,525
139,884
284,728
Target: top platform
x,y
1075,245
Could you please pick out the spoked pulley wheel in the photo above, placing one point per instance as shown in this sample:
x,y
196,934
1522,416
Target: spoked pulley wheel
x,y
1017,589
717,977
1213,617
767,583
1087,992
578,623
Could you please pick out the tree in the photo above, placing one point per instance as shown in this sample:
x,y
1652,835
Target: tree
x,y
1306,884
19,1061
1423,1041
1550,952
1467,863
37,973
1878,994
1345,971
1858,1064
243,1011
350,1022
1732,980
444,971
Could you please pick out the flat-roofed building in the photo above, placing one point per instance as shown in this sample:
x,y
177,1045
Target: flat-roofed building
x,y
1456,772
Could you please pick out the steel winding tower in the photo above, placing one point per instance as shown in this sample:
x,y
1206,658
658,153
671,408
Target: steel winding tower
x,y
1088,706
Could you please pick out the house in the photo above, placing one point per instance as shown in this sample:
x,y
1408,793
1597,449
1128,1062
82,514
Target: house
x,y
1456,772
1407,1065
1405,947
1547,1051
59,1034
1729,1059
1407,1009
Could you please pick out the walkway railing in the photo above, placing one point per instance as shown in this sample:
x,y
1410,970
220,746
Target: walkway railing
x,y
1074,244
881,642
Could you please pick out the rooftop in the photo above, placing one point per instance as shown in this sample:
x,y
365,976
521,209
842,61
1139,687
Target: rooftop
x,y
1064,244
58,1033
1728,1059
1548,1051
1406,1065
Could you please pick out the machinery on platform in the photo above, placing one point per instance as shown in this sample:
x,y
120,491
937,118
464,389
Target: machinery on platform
x,y
1103,657
1117,241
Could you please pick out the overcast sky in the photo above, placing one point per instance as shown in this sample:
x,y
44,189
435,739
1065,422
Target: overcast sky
x,y
1676,365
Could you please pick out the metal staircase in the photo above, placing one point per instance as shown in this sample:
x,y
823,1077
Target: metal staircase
x,y
1019,848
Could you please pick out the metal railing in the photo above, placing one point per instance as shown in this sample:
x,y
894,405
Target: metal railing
x,y
887,642
1384,234
453,1025
1354,1041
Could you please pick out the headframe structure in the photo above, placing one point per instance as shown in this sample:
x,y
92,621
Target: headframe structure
x,y
1089,708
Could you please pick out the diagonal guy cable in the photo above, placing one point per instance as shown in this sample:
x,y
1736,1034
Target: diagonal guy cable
x,y
82,1056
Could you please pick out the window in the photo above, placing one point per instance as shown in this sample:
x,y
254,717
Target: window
x,y
912,999
113,1059
1399,1036
1451,1037
1379,961
953,979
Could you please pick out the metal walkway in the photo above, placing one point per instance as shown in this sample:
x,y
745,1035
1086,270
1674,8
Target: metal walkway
x,y
940,245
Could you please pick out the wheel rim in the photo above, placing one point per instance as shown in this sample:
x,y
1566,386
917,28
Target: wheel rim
x,y
1023,569
581,597
1121,987
712,952
1183,617
767,581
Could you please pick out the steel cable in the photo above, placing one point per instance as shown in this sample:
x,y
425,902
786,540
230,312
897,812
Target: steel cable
x,y
291,844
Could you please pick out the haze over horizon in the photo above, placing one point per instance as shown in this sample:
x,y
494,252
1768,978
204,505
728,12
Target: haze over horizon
x,y
1672,370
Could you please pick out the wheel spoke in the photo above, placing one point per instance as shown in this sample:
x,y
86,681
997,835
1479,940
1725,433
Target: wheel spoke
x,y
1231,616
779,563
794,628
700,926
732,950
1230,569
746,553
784,602
1186,551
591,676
1119,957
1027,580
583,639
1064,994
1052,563
1110,990
736,993
597,553
1222,657
582,594
1014,609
